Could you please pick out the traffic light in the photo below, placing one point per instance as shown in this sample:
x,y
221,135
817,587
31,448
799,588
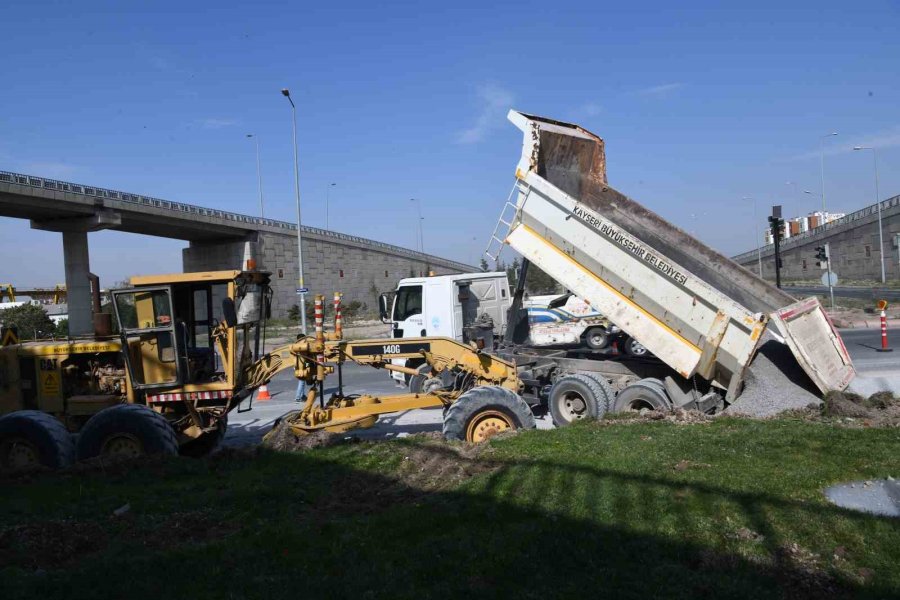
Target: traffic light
x,y
822,256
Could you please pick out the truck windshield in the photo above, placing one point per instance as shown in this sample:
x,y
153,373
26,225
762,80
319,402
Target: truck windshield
x,y
408,302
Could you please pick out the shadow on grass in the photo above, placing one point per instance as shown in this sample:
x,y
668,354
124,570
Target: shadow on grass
x,y
328,524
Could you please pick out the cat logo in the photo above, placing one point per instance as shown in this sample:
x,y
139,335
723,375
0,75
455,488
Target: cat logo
x,y
9,336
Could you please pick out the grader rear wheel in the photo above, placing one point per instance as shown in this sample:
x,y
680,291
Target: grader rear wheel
x,y
127,431
30,439
483,412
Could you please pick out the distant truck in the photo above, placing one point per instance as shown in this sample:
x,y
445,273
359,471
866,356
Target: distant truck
x,y
446,306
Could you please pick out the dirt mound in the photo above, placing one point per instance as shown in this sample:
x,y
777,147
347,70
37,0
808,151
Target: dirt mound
x,y
283,439
845,404
679,416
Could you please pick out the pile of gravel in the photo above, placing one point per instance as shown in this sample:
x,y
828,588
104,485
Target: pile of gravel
x,y
773,383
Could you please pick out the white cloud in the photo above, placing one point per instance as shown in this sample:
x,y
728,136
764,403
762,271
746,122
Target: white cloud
x,y
217,123
887,138
659,91
494,101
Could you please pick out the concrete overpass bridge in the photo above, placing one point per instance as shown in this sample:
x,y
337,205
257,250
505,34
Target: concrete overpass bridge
x,y
855,249
218,239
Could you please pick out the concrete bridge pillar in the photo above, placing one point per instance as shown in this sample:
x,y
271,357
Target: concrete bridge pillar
x,y
78,287
78,263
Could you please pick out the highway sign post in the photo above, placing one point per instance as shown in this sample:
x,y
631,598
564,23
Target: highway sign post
x,y
302,291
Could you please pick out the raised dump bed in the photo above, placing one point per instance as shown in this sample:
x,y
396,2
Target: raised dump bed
x,y
696,310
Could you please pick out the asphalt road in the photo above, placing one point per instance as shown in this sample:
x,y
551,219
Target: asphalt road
x,y
863,345
847,292
247,428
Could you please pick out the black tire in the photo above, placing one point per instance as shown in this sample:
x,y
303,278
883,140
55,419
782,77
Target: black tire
x,y
145,429
577,397
643,394
478,405
416,381
207,442
35,438
596,338
632,347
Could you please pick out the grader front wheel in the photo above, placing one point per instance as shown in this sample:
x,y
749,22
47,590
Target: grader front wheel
x,y
483,412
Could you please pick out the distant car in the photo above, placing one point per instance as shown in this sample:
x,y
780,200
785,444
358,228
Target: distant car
x,y
567,320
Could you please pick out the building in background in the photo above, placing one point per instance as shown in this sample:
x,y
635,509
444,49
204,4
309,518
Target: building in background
x,y
798,225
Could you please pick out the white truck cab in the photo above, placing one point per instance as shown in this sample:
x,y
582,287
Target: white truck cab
x,y
444,305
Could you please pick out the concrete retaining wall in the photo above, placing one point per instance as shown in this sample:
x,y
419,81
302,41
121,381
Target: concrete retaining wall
x,y
359,271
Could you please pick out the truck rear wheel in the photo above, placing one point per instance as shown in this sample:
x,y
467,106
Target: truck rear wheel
x,y
646,394
577,397
485,411
127,431
416,381
30,439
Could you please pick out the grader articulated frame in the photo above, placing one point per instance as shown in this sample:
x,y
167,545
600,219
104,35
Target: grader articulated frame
x,y
455,370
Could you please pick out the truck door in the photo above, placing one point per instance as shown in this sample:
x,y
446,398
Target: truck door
x,y
147,326
407,313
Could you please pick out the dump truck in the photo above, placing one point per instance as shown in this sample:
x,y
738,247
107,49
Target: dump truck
x,y
700,314
186,353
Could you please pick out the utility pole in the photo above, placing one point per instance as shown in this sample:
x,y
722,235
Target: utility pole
x,y
287,94
823,254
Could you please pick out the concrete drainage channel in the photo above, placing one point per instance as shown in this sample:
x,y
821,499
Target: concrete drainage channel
x,y
878,497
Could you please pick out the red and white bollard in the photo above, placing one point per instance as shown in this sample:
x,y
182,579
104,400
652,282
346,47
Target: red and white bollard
x,y
884,341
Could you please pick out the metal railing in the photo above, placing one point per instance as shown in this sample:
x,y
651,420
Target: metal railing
x,y
795,240
180,207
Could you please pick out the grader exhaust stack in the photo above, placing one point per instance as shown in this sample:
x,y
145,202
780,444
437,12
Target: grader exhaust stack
x,y
695,309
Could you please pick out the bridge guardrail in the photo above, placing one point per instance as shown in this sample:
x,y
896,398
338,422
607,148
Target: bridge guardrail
x,y
98,192
849,218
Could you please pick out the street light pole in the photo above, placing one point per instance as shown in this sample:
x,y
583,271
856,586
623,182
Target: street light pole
x,y
327,193
878,201
756,233
822,146
258,174
287,94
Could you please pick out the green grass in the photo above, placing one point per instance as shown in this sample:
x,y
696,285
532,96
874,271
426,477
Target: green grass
x,y
732,508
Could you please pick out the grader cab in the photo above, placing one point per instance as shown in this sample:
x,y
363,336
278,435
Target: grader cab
x,y
188,350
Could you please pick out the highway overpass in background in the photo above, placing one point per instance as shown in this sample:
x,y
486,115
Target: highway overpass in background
x,y
218,240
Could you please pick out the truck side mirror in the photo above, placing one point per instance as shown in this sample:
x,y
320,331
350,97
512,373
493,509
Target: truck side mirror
x,y
383,308
228,312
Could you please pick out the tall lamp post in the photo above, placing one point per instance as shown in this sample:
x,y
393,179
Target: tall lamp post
x,y
878,201
327,194
756,233
287,94
822,146
258,174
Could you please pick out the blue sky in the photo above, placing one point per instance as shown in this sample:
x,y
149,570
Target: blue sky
x,y
699,107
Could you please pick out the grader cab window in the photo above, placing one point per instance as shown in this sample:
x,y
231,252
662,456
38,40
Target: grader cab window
x,y
147,327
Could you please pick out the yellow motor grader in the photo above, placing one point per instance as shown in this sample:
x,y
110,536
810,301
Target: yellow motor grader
x,y
186,353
